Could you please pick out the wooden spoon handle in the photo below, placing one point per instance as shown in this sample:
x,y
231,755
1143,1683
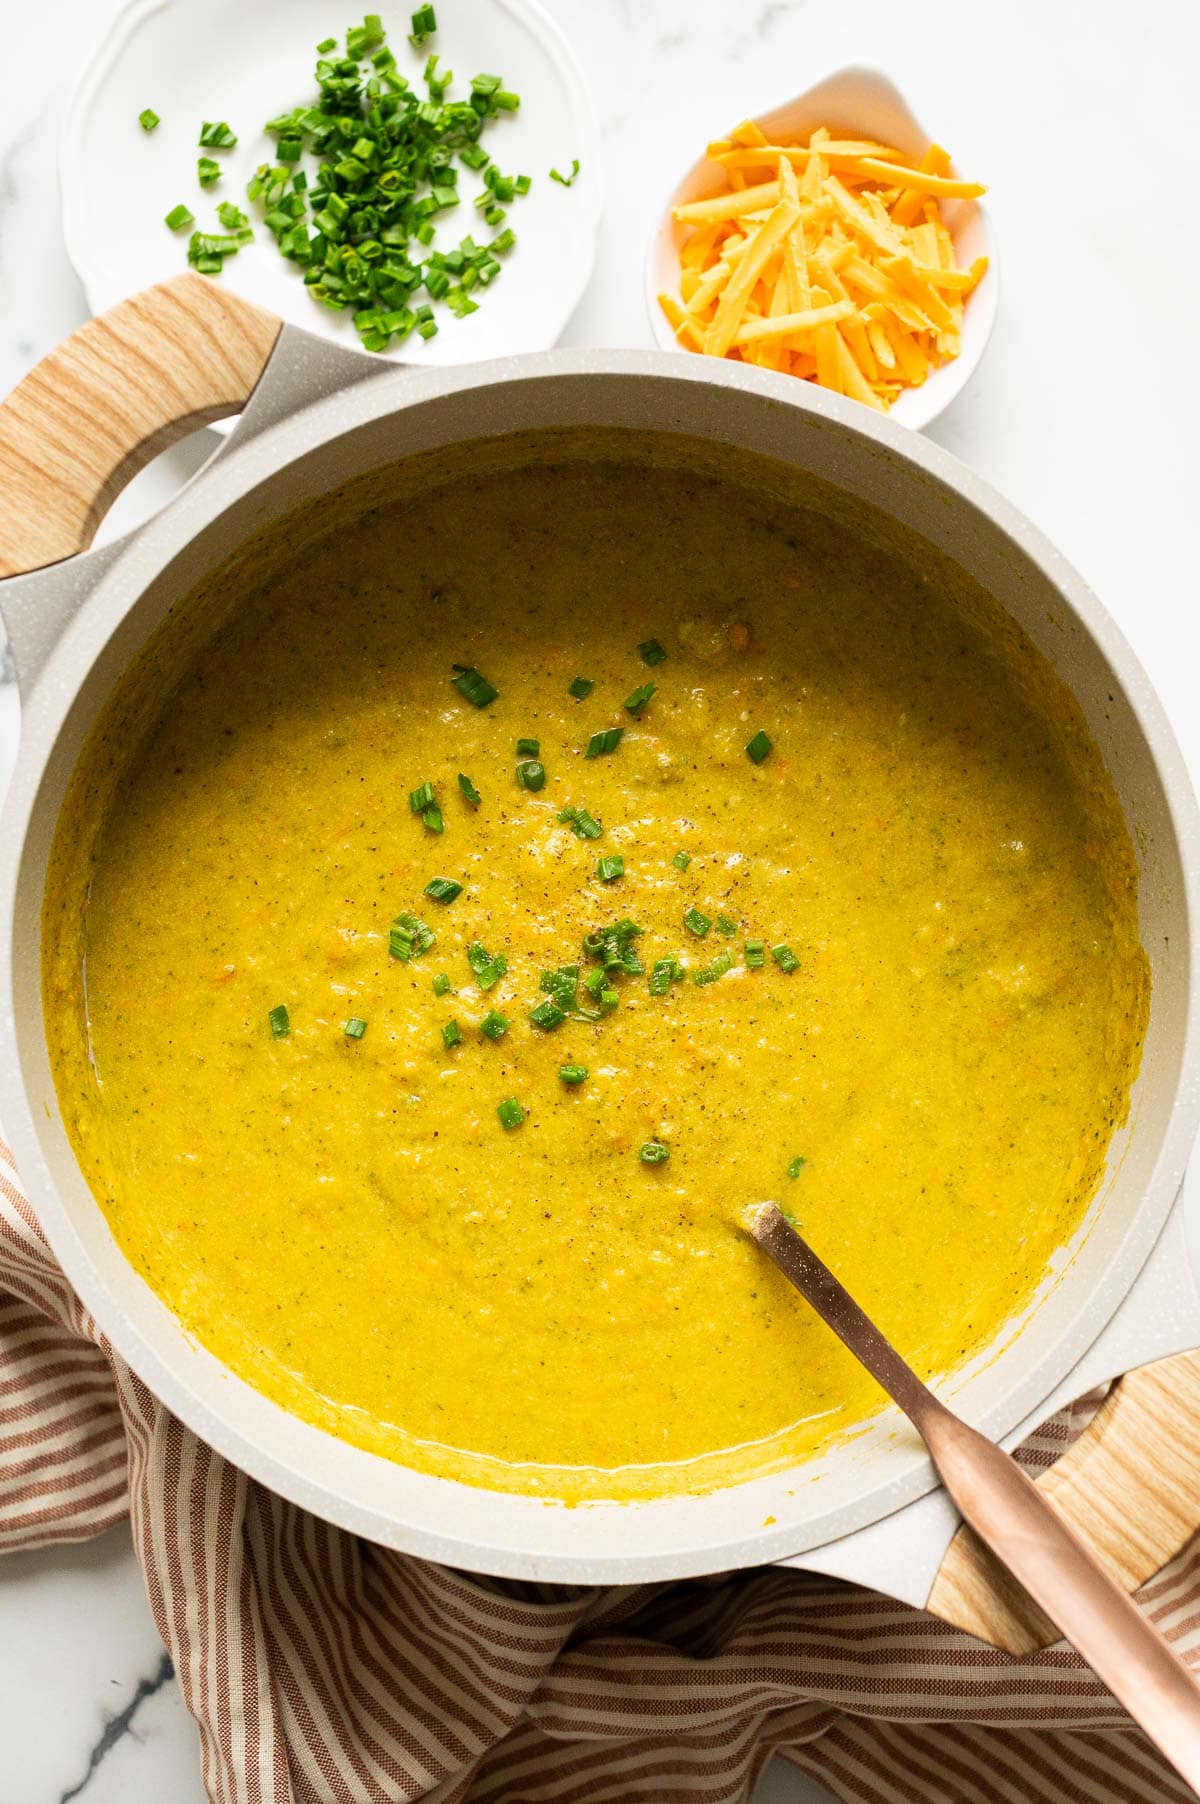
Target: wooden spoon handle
x,y
109,398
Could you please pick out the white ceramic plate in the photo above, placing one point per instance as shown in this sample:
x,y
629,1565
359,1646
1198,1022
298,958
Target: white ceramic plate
x,y
854,102
245,60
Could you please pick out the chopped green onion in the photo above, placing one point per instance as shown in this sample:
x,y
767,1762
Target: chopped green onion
x,y
573,1074
605,741
561,985
179,217
581,822
424,23
231,217
721,963
355,1028
608,1000
421,798
756,954
696,922
651,652
511,1113
451,1035
410,938
326,45
531,775
785,958
611,867
148,119
207,172
796,1167
469,790
487,968
477,690
566,180
432,818
494,1025
758,747
682,860
581,688
548,1015
441,984
654,1152
666,972
443,889
726,926
637,701
280,1022
217,136
528,748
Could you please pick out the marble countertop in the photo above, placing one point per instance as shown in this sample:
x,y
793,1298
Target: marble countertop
x,y
1080,113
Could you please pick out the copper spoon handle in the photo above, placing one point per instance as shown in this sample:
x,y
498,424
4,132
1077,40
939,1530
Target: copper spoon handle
x,y
1009,1513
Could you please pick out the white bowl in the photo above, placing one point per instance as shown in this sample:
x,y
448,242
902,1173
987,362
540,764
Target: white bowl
x,y
861,103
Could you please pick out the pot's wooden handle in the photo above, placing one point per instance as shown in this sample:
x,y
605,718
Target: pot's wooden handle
x,y
1130,1486
109,398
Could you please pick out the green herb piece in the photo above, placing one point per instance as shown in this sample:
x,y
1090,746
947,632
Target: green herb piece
x,y
561,985
441,984
796,1167
469,790
594,982
421,798
488,968
280,1022
785,958
355,1028
217,136
231,217
721,963
605,741
666,972
207,172
573,1074
651,652
443,889
547,1015
566,180
410,938
179,217
756,954
610,868
528,748
326,45
432,818
581,688
424,23
494,1025
477,690
758,747
637,701
612,948
726,926
682,860
531,775
584,825
697,923
511,1113
148,119
451,1035
654,1152
608,1000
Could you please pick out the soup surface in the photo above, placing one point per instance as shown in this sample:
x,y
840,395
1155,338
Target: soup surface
x,y
347,1222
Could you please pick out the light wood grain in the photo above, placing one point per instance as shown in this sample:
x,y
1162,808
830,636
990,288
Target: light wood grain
x,y
109,398
1130,1485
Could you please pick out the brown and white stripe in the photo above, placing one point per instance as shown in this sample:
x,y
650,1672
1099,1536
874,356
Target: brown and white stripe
x,y
324,1670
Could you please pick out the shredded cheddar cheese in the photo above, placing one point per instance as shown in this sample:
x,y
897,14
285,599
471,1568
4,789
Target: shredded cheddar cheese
x,y
828,260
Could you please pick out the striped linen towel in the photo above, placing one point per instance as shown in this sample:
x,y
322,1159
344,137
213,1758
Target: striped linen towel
x,y
324,1670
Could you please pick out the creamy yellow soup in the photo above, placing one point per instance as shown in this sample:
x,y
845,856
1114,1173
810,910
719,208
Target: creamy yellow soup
x,y
347,1222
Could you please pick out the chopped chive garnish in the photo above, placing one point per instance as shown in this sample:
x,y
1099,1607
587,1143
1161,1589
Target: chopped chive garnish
x,y
654,1152
179,217
451,1035
721,963
581,688
469,790
488,968
608,1000
280,1022
443,889
605,741
584,825
528,748
611,867
682,860
476,688
217,136
696,922
556,175
637,701
726,926
756,954
441,984
785,958
561,985
594,982
547,1015
531,775
424,23
326,45
421,798
651,652
355,1028
494,1025
207,172
666,972
796,1167
511,1113
231,217
573,1074
410,938
758,747
148,119
432,818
